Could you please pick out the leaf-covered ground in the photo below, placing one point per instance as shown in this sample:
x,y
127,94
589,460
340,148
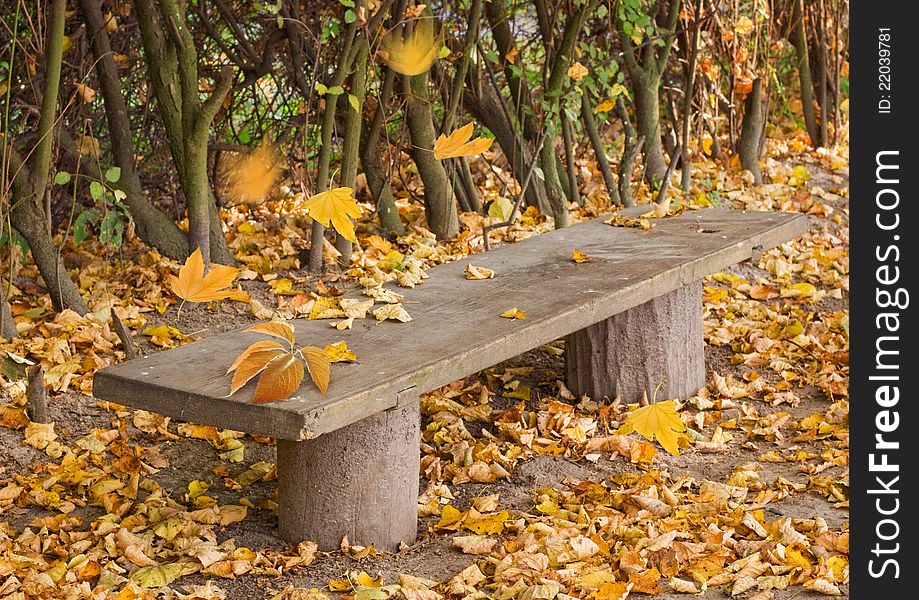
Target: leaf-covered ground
x,y
527,492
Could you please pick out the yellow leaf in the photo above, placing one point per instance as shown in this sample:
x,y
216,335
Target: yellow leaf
x,y
514,313
192,285
281,378
156,577
196,488
799,290
577,71
475,273
319,365
255,175
578,256
659,421
334,207
605,106
501,208
414,54
338,352
458,144
393,312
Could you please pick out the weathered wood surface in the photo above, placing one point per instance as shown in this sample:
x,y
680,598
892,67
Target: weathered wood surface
x,y
456,328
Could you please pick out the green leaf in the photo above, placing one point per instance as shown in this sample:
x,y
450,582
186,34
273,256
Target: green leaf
x,y
96,190
335,90
111,229
113,174
350,17
82,226
119,195
347,3
321,89
61,178
354,102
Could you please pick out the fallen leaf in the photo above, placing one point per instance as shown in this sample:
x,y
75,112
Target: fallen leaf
x,y
514,313
658,420
474,273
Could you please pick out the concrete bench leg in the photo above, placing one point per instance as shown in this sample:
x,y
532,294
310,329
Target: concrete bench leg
x,y
659,341
360,481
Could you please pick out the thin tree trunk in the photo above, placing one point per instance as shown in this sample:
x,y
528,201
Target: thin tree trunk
x,y
799,40
439,206
590,124
690,73
28,212
325,149
748,146
352,135
371,161
571,168
172,60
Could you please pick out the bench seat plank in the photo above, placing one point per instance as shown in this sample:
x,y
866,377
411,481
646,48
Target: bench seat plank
x,y
456,329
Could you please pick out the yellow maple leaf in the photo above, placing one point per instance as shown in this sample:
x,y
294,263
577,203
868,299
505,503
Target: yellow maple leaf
x,y
255,175
413,54
339,352
334,207
659,421
192,285
458,144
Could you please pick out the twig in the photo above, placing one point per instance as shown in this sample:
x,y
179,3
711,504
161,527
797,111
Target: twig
x,y
130,350
37,397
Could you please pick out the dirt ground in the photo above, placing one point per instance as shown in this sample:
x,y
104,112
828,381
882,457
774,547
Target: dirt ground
x,y
432,555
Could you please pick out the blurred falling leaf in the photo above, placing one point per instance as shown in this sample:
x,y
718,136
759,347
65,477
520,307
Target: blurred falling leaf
x,y
256,174
413,54
458,144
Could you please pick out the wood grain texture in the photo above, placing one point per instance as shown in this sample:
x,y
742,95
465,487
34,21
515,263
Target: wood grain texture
x,y
456,328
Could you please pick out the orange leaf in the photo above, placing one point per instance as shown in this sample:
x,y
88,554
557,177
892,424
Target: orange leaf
x,y
278,329
254,364
457,144
261,346
319,365
192,285
281,378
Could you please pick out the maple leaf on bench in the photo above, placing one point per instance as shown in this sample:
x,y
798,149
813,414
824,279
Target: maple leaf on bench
x,y
281,367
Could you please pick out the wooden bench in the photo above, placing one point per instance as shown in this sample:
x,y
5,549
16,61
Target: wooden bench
x,y
348,462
